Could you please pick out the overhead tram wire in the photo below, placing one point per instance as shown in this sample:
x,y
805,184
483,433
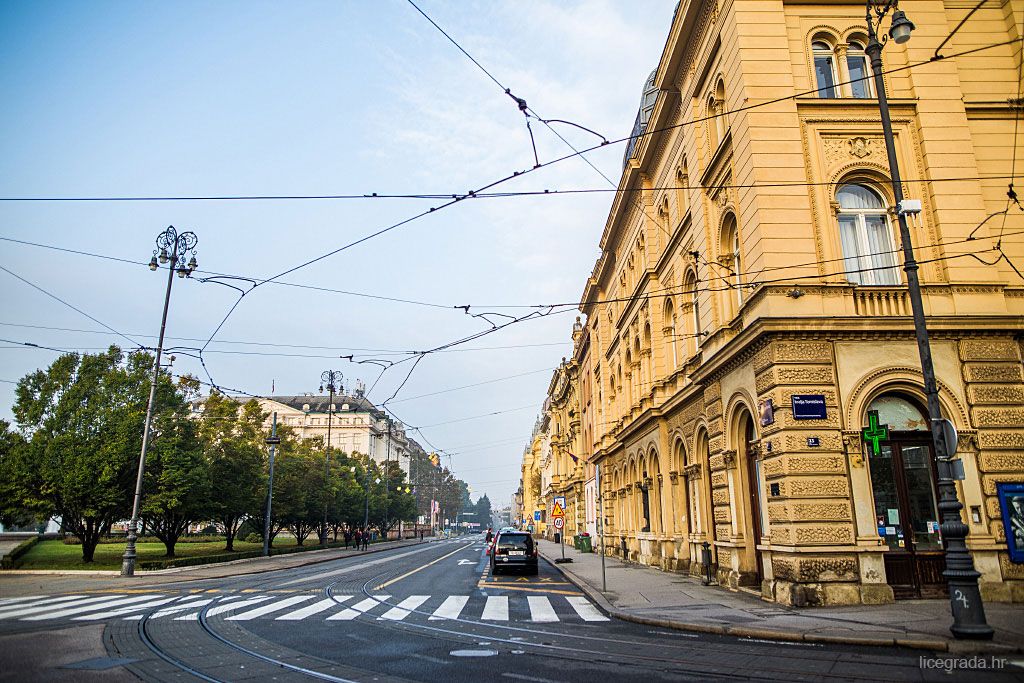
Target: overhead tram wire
x,y
481,192
71,306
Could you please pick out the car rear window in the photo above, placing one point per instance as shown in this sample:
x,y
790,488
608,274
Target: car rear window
x,y
516,541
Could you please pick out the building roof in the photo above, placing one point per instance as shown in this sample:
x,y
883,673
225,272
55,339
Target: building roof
x,y
319,404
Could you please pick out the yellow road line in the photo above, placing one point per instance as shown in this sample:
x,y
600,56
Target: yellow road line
x,y
407,574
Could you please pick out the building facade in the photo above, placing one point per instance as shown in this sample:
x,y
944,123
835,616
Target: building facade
x,y
748,321
356,425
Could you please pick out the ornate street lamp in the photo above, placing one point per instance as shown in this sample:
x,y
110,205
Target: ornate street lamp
x,y
332,380
172,248
961,576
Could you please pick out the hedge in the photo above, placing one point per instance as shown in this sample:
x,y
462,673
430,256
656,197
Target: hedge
x,y
10,560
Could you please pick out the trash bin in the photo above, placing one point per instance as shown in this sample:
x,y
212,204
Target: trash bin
x,y
576,541
585,544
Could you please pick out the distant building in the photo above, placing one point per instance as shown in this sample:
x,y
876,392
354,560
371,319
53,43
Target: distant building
x,y
357,426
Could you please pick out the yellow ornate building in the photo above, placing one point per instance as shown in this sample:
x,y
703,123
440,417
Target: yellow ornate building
x,y
749,309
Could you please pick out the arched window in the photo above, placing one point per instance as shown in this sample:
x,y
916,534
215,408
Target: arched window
x,y
824,68
730,244
693,303
671,336
857,67
869,253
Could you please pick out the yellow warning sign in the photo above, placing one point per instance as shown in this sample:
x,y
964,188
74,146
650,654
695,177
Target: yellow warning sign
x,y
558,511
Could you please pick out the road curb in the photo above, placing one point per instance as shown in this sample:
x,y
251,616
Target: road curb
x,y
907,641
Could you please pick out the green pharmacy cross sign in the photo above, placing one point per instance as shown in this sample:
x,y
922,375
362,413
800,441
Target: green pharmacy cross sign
x,y
874,432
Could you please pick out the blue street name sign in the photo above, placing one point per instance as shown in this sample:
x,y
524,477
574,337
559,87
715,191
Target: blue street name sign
x,y
809,407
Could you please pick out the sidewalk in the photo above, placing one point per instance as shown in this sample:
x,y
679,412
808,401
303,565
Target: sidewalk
x,y
650,596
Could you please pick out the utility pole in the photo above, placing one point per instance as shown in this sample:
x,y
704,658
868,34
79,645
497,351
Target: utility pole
x,y
272,442
172,247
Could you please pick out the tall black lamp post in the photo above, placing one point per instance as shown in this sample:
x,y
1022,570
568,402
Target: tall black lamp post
x,y
172,248
332,380
961,576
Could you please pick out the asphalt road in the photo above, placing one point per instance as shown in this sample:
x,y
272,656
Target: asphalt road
x,y
420,612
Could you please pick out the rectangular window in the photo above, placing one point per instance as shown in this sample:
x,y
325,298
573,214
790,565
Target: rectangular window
x,y
825,75
858,68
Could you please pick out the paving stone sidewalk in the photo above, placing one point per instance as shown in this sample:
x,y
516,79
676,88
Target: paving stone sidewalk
x,y
648,595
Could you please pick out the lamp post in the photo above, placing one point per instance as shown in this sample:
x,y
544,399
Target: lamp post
x,y
171,247
961,576
332,380
272,441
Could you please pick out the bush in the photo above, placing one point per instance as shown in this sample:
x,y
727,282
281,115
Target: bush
x,y
254,538
10,560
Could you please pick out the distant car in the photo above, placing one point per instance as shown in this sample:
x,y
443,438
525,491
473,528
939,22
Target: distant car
x,y
513,550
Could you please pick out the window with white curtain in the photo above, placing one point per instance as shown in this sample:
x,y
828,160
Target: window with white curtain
x,y
869,252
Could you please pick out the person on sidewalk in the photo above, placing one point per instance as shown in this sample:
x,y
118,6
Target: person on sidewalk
x,y
366,539
348,537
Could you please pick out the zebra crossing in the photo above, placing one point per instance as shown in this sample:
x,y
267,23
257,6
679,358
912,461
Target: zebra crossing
x,y
298,607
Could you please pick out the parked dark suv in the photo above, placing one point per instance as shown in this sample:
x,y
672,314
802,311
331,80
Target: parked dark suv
x,y
514,550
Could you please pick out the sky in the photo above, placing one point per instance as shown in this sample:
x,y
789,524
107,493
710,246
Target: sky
x,y
188,99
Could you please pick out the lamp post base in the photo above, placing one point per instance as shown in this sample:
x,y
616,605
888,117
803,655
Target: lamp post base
x,y
128,559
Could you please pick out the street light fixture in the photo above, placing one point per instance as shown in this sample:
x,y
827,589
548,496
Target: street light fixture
x,y
961,576
172,247
332,380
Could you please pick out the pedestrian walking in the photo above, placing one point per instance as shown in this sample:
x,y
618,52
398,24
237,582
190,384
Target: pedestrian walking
x,y
348,537
366,539
421,535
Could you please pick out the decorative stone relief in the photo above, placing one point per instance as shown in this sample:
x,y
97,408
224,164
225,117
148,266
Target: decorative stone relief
x,y
722,514
719,479
729,459
999,417
824,535
800,374
859,147
803,464
1004,372
815,487
851,443
1001,462
720,496
996,393
988,438
803,352
989,349
988,481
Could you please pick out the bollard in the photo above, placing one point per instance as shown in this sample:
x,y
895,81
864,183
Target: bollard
x,y
705,557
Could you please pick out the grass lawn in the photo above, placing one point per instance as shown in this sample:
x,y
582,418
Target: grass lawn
x,y
57,555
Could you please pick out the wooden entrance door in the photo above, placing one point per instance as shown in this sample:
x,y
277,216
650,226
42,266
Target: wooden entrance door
x,y
903,482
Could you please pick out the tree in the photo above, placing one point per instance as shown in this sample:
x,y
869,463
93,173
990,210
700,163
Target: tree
x,y
83,416
483,511
298,486
16,478
177,486
232,438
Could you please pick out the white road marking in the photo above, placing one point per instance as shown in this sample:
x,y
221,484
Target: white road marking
x,y
496,608
24,598
354,567
586,610
181,607
124,610
402,610
358,608
267,609
540,608
315,608
220,609
81,607
52,603
451,608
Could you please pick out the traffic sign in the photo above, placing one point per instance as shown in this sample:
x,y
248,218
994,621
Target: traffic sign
x,y
560,501
559,522
559,510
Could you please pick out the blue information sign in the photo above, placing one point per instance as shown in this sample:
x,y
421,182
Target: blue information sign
x,y
536,515
809,407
